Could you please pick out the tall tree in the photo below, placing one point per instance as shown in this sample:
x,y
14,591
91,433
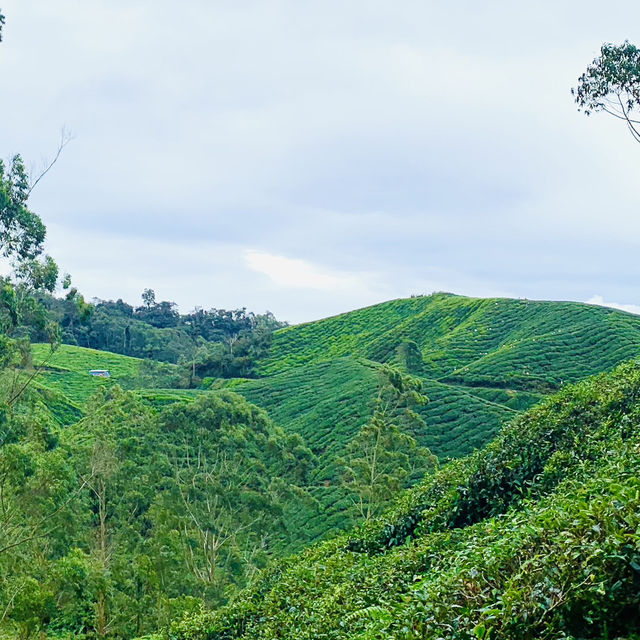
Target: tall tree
x,y
611,84
149,298
384,456
22,232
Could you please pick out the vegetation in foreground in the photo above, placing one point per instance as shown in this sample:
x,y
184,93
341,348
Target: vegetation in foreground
x,y
131,516
535,536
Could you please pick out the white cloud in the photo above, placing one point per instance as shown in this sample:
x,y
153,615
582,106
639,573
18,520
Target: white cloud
x,y
600,301
299,274
209,130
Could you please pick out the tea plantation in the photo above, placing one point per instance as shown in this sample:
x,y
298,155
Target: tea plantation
x,y
525,527
537,535
481,361
66,370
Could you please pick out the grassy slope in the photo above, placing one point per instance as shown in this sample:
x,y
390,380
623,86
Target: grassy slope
x,y
519,343
535,536
66,371
328,402
481,360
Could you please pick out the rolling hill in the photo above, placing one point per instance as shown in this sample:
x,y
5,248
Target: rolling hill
x,y
496,342
481,361
66,371
537,535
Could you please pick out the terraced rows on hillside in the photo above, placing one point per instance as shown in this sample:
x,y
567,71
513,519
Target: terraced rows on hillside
x,y
327,404
66,371
519,344
534,536
480,360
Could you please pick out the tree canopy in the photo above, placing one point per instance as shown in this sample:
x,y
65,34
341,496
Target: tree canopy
x,y
611,84
22,232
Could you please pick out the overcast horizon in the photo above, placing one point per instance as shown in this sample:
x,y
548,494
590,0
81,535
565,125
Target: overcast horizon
x,y
313,158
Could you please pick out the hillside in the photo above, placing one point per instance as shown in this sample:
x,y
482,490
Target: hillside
x,y
537,535
481,361
496,342
66,370
166,449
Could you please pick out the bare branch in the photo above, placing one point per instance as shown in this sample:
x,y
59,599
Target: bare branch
x,y
65,138
634,132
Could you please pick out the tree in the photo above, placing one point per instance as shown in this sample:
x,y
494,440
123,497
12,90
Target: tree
x,y
22,232
611,84
384,457
104,466
149,298
218,514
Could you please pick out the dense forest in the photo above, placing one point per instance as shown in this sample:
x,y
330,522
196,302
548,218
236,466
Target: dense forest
x,y
432,467
214,342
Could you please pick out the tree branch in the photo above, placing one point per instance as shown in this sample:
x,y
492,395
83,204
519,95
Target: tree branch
x,y
65,138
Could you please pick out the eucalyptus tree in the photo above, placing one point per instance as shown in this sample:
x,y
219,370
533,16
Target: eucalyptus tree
x,y
611,83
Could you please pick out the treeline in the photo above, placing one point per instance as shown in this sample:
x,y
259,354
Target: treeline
x,y
212,343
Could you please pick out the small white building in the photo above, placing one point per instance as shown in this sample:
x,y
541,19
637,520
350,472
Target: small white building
x,y
100,373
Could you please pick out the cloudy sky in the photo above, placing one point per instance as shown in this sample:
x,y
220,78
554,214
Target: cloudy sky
x,y
313,157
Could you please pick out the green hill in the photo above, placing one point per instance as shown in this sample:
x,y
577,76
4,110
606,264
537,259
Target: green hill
x,y
535,536
161,452
480,361
518,344
327,403
66,370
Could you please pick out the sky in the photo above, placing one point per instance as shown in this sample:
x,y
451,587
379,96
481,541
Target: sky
x,y
309,158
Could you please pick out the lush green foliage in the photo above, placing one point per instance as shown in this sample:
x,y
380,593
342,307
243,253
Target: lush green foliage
x,y
535,536
383,456
176,497
513,344
209,343
66,369
611,84
480,362
130,517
